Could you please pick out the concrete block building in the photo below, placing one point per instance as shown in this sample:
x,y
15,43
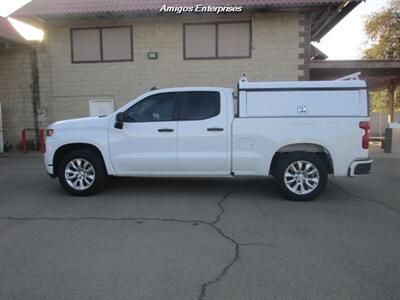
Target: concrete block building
x,y
15,83
111,51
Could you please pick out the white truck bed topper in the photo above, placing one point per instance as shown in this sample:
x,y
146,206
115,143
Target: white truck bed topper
x,y
304,85
341,98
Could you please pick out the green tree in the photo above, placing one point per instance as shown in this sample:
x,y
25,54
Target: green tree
x,y
379,100
383,32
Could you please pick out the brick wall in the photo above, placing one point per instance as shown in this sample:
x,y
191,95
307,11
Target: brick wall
x,y
66,88
15,91
279,47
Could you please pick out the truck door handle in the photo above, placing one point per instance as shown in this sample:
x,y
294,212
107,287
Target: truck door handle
x,y
165,130
215,129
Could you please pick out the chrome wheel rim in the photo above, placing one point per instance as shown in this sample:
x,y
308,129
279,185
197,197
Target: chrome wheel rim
x,y
301,177
79,174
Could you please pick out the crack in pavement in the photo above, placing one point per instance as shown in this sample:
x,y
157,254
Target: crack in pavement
x,y
103,219
212,224
365,198
23,220
236,256
221,207
256,244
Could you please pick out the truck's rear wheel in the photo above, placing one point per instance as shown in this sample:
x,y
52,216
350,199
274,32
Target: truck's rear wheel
x,y
82,173
301,176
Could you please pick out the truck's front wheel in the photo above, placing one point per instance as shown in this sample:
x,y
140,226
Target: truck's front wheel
x,y
301,176
81,173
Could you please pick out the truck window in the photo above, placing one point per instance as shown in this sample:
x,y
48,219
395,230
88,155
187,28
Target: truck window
x,y
200,105
155,108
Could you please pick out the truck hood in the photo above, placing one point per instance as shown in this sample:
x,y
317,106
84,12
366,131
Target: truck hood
x,y
81,123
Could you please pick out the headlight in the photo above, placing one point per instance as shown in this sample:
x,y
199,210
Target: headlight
x,y
49,132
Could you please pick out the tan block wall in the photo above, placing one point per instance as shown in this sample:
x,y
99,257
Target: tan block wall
x,y
66,88
15,92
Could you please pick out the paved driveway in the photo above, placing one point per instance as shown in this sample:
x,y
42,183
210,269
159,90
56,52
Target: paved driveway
x,y
197,238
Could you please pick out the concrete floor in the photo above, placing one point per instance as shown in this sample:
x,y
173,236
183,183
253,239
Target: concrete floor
x,y
197,238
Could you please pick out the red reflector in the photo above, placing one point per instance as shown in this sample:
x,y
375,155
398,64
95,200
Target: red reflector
x,y
365,139
364,125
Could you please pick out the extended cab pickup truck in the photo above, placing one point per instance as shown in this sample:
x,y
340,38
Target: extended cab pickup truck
x,y
298,132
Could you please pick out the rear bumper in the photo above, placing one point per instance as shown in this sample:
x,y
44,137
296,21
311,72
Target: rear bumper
x,y
360,167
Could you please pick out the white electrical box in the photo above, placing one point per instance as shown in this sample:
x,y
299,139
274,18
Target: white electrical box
x,y
101,107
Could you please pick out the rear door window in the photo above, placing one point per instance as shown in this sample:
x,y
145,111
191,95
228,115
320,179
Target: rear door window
x,y
200,105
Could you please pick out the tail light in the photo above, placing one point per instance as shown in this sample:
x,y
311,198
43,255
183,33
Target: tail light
x,y
365,139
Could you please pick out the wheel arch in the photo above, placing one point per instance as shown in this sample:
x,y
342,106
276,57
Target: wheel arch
x,y
67,148
322,152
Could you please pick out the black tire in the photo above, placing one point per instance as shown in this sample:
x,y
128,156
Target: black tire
x,y
100,174
290,158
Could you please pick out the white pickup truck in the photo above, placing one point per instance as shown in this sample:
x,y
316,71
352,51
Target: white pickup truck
x,y
298,132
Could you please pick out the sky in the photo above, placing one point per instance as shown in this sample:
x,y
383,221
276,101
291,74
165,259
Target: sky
x,y
9,6
345,41
30,33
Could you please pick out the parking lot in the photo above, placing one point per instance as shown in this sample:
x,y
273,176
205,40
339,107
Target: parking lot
x,y
198,238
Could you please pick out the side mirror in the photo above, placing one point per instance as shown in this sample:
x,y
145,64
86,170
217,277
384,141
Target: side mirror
x,y
119,120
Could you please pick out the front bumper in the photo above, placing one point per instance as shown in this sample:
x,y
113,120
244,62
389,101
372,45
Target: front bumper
x,y
48,157
48,166
49,170
360,167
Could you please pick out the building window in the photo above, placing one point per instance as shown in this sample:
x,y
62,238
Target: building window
x,y
108,44
234,40
217,40
86,45
200,41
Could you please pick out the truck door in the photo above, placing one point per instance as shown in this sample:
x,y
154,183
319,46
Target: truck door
x,y
147,143
203,143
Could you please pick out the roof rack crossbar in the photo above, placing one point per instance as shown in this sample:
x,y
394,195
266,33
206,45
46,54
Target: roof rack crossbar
x,y
354,76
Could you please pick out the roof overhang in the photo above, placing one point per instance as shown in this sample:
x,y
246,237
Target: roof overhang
x,y
379,74
317,54
7,42
8,34
326,19
324,14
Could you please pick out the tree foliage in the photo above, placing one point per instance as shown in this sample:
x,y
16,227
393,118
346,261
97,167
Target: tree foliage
x,y
379,100
383,31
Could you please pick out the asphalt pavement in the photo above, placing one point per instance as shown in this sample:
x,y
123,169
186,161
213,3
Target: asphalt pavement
x,y
166,238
